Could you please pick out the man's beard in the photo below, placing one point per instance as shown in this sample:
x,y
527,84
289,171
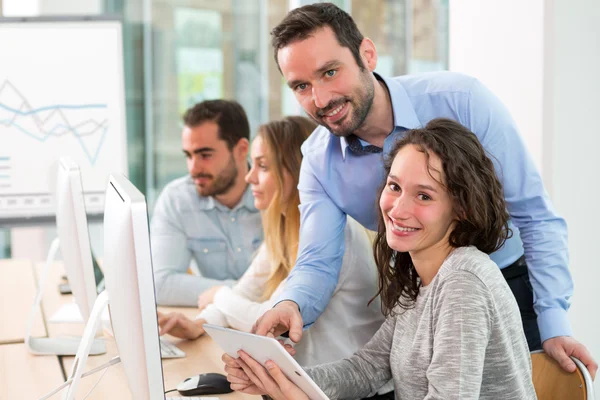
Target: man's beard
x,y
222,183
361,102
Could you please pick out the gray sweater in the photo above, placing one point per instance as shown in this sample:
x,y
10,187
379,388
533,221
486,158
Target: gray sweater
x,y
462,340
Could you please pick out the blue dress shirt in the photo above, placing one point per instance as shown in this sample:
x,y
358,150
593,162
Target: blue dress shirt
x,y
335,182
222,241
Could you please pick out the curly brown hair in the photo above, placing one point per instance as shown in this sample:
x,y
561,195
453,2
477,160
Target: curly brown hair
x,y
477,200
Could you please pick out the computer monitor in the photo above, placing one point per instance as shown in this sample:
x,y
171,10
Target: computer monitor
x,y
129,294
129,283
74,243
72,229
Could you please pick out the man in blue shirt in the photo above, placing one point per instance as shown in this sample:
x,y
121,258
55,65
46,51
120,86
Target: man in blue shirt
x,y
209,214
329,66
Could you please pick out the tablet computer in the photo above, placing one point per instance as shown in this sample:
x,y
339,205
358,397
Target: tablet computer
x,y
262,349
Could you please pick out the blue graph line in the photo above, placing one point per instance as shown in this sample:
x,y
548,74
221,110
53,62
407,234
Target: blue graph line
x,y
50,133
95,157
65,106
77,135
4,158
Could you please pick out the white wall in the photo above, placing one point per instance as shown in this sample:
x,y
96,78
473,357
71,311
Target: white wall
x,y
500,42
543,60
575,159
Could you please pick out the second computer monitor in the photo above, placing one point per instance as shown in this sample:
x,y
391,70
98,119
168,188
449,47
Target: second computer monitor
x,y
72,228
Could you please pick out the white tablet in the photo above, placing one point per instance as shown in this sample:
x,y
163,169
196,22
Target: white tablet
x,y
262,349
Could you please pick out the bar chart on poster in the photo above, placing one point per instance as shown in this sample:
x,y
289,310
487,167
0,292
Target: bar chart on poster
x,y
61,94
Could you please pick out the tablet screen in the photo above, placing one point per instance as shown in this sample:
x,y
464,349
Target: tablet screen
x,y
262,349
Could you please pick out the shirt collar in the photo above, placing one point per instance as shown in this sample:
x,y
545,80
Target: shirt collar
x,y
402,109
209,202
247,201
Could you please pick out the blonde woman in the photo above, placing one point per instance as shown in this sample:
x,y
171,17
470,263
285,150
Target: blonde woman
x,y
349,320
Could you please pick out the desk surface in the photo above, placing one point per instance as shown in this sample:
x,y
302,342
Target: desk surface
x,y
25,376
202,355
17,283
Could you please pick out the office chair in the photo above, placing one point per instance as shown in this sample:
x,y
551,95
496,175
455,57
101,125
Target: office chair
x,y
551,382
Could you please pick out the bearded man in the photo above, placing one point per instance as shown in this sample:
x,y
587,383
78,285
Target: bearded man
x,y
209,214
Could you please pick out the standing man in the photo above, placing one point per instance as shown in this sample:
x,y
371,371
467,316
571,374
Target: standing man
x,y
329,65
209,214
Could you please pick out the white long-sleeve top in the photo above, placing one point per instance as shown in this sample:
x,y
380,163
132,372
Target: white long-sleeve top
x,y
345,326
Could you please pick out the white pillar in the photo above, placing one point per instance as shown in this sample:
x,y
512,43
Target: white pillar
x,y
542,59
501,44
575,145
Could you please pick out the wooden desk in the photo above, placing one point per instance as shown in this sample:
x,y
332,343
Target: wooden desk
x,y
17,292
112,386
25,376
202,355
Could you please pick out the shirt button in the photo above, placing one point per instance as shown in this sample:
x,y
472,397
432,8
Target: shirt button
x,y
238,249
205,250
232,219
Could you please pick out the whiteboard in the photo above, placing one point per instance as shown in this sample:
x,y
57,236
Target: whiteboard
x,y
61,94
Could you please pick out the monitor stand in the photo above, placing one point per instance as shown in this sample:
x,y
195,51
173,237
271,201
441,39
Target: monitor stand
x,y
61,346
86,345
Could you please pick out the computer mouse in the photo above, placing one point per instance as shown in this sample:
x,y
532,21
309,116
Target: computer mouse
x,y
211,383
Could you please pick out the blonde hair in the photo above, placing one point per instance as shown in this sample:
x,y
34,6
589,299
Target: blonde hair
x,y
281,220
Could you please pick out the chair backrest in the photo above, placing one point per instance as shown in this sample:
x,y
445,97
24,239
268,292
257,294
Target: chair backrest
x,y
551,382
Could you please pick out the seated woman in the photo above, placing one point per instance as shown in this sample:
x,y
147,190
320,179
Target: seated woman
x,y
349,320
453,328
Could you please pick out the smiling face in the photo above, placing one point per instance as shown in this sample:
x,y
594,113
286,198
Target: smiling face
x,y
263,176
210,163
416,208
327,82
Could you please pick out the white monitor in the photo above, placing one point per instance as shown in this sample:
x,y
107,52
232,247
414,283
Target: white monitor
x,y
74,243
72,228
129,283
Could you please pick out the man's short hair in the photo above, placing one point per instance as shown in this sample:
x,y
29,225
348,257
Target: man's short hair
x,y
301,22
229,115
